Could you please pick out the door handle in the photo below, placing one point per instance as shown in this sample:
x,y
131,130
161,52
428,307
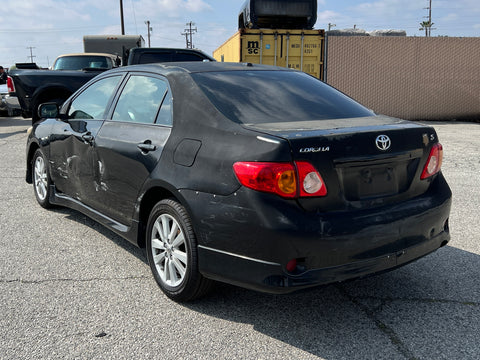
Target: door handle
x,y
88,138
146,146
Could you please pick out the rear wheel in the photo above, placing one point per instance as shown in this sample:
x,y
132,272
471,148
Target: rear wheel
x,y
41,179
172,252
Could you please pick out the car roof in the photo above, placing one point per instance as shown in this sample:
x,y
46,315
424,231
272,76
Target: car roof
x,y
200,67
142,49
87,54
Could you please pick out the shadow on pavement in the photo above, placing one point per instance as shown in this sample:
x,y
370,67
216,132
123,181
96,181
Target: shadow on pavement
x,y
423,303
426,309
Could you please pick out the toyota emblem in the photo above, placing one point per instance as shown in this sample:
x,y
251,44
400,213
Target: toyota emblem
x,y
383,142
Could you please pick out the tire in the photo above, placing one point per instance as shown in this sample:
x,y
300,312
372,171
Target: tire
x,y
171,249
41,179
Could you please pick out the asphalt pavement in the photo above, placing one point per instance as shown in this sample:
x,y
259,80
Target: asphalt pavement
x,y
70,289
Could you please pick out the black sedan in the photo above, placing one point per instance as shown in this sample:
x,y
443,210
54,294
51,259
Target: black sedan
x,y
257,176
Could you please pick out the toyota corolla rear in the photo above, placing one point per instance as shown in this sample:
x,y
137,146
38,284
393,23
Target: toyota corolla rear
x,y
327,190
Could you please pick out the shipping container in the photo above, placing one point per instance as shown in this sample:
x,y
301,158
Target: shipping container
x,y
297,49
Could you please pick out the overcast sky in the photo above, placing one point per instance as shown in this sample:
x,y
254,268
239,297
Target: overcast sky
x,y
54,27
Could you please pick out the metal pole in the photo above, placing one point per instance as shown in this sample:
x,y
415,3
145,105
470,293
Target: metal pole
x,y
191,36
302,51
276,41
31,53
325,60
148,31
121,17
430,19
261,47
288,47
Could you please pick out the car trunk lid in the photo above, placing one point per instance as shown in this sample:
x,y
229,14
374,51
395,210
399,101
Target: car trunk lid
x,y
365,162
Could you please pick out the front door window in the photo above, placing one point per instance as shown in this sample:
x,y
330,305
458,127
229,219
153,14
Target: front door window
x,y
92,103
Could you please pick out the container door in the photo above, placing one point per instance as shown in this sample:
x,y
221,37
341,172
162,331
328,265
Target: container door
x,y
296,49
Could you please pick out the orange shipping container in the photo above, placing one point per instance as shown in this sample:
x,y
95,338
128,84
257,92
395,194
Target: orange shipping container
x,y
297,49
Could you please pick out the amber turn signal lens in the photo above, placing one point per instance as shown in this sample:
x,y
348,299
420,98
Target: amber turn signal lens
x,y
287,183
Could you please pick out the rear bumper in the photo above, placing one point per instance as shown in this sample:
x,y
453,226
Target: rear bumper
x,y
12,102
247,241
9,103
272,278
3,103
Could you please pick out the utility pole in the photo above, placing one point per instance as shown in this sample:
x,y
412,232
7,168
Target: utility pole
x,y
148,31
121,17
188,34
427,25
186,39
31,53
430,18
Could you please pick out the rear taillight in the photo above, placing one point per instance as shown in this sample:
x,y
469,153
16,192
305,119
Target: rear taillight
x,y
289,180
277,178
10,86
434,162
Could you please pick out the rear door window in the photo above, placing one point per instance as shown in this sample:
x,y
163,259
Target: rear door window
x,y
140,100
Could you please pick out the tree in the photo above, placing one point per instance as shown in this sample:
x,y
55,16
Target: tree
x,y
426,25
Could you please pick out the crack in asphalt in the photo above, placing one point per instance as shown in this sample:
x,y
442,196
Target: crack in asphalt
x,y
388,331
22,281
384,328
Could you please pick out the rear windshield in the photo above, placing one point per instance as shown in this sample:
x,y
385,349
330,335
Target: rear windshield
x,y
83,62
148,58
260,97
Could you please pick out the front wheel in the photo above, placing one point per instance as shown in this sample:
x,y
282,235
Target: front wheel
x,y
172,252
41,179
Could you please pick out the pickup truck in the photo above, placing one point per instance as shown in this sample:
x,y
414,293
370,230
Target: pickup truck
x,y
70,72
153,55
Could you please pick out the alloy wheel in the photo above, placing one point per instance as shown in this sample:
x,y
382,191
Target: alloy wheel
x,y
169,250
40,178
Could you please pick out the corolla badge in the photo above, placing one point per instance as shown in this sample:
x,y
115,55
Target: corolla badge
x,y
383,142
315,149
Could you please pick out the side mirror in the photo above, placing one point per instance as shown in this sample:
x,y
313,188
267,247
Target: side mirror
x,y
48,110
